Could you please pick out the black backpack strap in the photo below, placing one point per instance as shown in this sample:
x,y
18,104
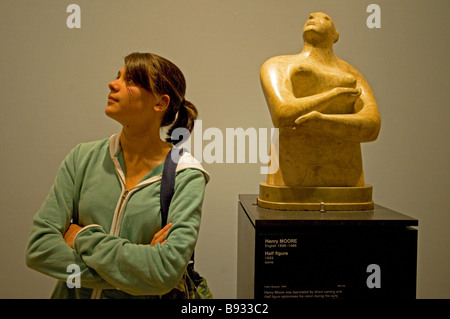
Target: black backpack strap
x,y
168,182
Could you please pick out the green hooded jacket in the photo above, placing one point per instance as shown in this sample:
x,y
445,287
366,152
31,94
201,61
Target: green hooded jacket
x,y
112,256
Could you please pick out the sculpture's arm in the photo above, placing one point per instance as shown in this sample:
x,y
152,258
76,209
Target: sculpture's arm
x,y
362,126
285,107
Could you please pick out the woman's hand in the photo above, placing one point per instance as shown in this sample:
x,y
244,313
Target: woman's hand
x,y
160,237
70,234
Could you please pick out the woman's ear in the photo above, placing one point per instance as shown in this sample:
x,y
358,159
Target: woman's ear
x,y
162,103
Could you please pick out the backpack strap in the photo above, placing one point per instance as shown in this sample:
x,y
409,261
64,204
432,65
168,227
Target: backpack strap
x,y
168,182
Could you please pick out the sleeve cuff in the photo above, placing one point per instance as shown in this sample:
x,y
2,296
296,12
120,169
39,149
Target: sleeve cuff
x,y
83,229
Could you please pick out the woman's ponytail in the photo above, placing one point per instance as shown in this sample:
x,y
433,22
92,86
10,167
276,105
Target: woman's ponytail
x,y
185,118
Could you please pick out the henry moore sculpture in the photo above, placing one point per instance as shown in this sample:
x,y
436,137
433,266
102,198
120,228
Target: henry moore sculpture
x,y
323,108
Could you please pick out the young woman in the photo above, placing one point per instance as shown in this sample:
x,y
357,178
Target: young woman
x,y
113,185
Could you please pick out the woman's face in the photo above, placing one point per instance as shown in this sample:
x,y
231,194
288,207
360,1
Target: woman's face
x,y
128,103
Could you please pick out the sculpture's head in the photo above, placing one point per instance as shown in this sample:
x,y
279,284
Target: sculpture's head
x,y
319,28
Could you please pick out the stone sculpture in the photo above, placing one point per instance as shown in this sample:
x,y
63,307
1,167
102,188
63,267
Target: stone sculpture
x,y
323,108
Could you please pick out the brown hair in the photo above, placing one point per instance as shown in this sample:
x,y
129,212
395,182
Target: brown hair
x,y
160,76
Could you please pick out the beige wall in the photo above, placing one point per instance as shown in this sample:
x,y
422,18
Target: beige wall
x,y
53,88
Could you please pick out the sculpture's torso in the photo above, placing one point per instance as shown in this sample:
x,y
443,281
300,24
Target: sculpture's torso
x,y
313,158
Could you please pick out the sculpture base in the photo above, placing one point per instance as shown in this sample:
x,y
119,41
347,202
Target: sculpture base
x,y
315,198
301,255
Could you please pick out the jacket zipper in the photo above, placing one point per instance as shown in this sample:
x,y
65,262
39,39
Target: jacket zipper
x,y
115,228
118,220
118,213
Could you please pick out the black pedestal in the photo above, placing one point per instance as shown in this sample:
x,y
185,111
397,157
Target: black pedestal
x,y
309,255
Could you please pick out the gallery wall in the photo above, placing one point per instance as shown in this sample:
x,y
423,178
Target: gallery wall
x,y
53,87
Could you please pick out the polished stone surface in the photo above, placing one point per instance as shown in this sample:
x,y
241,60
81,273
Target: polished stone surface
x,y
324,109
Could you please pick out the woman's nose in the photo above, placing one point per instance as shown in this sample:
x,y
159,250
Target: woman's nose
x,y
113,85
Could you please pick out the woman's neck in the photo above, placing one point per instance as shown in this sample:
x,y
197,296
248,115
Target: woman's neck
x,y
142,152
144,144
